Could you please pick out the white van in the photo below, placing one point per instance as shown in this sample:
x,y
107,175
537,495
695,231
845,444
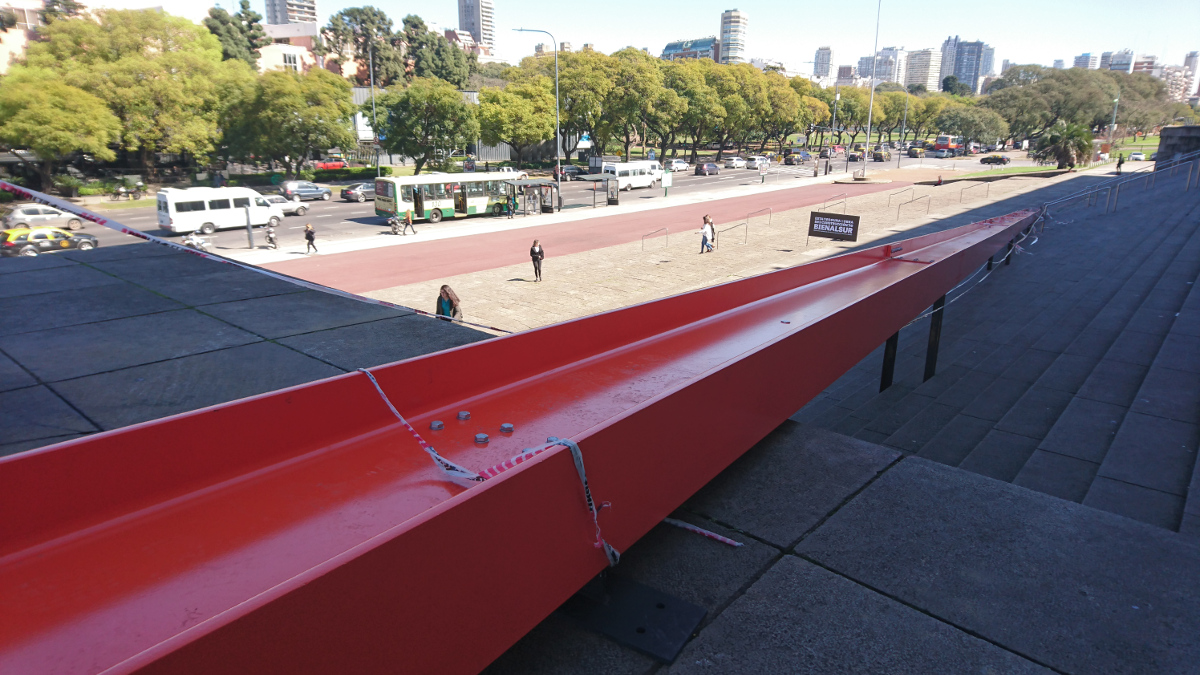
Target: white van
x,y
211,209
634,174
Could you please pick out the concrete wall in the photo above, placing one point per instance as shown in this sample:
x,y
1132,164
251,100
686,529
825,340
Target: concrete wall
x,y
1178,141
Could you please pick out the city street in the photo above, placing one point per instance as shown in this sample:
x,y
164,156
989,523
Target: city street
x,y
337,220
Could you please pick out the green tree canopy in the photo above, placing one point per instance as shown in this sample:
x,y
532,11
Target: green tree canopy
x,y
162,76
1068,144
521,114
433,55
62,9
426,118
241,35
972,123
951,85
358,37
41,113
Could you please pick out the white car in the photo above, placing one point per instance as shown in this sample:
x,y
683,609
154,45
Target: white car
x,y
674,165
1137,156
757,161
735,163
511,173
942,154
289,207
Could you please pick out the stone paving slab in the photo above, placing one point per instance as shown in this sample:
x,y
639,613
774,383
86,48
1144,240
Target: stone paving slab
x,y
366,345
1074,588
284,315
13,376
37,412
1085,430
169,265
123,397
55,279
30,313
1161,509
122,252
800,474
223,285
1173,394
42,262
800,618
1153,452
87,349
1057,475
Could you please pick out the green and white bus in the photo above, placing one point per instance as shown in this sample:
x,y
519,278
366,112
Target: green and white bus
x,y
436,196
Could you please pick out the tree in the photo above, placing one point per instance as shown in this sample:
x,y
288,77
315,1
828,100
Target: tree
x,y
62,9
1068,144
241,35
951,85
426,118
292,116
41,113
885,87
162,76
923,117
432,54
918,89
585,82
637,91
783,111
853,111
7,19
894,104
1023,108
972,123
704,108
521,114
362,36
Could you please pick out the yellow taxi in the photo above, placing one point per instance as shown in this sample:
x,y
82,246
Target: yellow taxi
x,y
34,241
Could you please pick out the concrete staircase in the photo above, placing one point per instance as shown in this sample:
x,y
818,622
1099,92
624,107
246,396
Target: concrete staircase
x,y
1074,372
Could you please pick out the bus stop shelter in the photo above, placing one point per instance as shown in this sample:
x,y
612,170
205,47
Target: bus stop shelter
x,y
538,194
611,189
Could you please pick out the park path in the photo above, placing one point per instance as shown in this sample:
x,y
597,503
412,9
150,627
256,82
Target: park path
x,y
387,267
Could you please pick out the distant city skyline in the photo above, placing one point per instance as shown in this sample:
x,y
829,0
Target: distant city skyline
x,y
779,31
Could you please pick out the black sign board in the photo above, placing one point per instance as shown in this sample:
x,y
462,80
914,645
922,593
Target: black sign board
x,y
833,226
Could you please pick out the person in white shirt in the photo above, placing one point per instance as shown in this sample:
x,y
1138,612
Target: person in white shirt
x,y
706,235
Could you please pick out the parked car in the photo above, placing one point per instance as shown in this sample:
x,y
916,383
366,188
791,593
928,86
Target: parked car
x,y
34,241
797,158
572,172
676,165
358,192
994,159
916,152
289,207
757,161
735,163
707,169
511,173
299,190
1137,156
35,215
328,164
856,156
882,155
943,153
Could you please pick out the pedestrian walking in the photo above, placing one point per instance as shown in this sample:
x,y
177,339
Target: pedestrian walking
x,y
939,180
706,235
512,205
310,236
537,253
447,305
1120,163
408,223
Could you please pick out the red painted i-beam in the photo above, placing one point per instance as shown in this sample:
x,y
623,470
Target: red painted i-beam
x,y
305,531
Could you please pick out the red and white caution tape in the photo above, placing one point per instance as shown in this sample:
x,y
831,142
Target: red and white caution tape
x,y
702,532
458,472
63,205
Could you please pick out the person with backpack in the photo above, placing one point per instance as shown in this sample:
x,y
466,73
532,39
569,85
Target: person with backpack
x,y
448,306
310,236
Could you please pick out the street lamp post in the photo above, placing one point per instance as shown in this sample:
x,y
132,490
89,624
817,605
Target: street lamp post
x,y
374,117
903,127
871,101
1113,127
557,126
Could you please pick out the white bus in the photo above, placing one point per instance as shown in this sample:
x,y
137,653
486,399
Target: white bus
x,y
634,174
212,209
436,196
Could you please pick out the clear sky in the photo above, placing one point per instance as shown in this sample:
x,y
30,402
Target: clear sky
x,y
1024,31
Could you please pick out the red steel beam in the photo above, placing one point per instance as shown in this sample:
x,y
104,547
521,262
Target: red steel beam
x,y
304,531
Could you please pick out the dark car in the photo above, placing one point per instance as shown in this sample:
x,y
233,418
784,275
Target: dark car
x,y
572,172
916,152
857,156
300,190
826,153
34,241
359,192
995,159
797,158
707,169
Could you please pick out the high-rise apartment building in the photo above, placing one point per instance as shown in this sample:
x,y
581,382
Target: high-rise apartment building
x,y
1122,61
893,65
1148,64
733,36
1088,61
968,64
478,17
291,11
1059,64
949,53
1192,63
1106,61
822,62
1179,83
704,48
846,75
924,67
1004,68
989,61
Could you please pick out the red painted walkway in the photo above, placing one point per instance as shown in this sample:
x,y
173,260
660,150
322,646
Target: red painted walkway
x,y
375,269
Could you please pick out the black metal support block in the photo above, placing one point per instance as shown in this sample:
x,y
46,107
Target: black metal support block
x,y
935,337
635,615
889,361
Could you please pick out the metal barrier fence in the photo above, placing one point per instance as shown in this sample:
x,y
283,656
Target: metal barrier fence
x,y
899,192
987,190
661,229
915,199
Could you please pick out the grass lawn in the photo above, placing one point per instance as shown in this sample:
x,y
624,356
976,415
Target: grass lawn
x,y
1009,169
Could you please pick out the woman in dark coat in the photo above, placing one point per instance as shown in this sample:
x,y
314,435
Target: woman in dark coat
x,y
447,305
536,253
